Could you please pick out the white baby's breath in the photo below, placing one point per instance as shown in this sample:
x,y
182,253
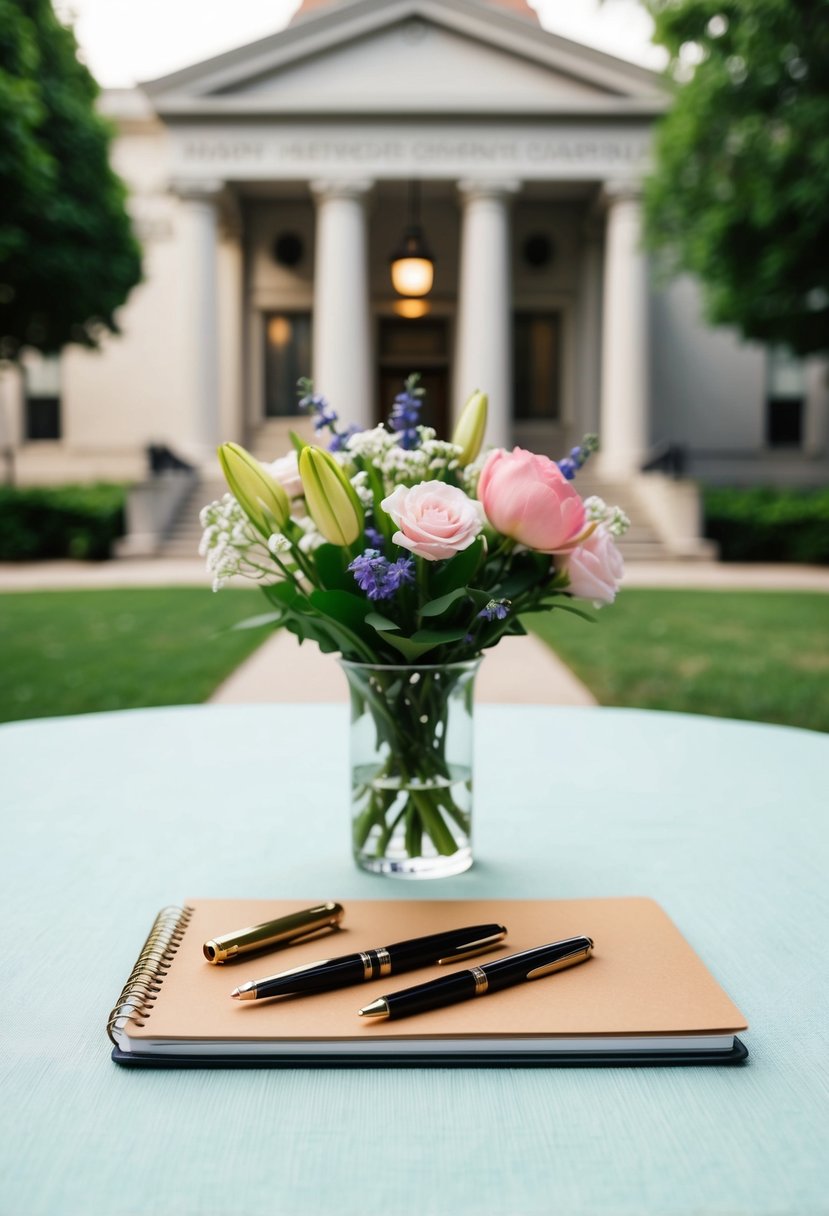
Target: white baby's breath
x,y
230,544
279,543
614,519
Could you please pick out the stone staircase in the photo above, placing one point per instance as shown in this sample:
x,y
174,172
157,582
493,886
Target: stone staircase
x,y
183,539
641,542
271,439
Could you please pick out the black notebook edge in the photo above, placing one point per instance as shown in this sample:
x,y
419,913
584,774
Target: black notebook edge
x,y
438,1059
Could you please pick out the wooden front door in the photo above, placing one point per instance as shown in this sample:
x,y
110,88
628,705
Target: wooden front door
x,y
408,346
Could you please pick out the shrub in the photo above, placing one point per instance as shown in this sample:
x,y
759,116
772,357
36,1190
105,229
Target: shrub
x,y
66,521
769,525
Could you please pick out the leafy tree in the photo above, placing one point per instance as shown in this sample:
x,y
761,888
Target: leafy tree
x,y
68,258
740,191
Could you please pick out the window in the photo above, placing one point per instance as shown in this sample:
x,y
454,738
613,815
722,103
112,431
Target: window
x,y
42,388
287,360
537,366
786,399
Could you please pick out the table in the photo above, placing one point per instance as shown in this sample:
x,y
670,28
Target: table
x,y
109,817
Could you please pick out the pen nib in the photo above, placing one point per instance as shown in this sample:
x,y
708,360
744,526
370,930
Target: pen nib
x,y
377,1009
245,993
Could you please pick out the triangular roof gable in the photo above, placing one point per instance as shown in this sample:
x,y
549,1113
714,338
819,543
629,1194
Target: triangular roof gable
x,y
289,70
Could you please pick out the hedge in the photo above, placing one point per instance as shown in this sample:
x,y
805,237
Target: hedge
x,y
80,521
769,525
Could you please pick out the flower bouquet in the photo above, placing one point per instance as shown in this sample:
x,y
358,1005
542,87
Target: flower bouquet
x,y
410,556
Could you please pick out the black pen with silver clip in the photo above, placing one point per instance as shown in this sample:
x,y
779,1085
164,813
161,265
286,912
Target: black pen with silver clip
x,y
477,981
327,974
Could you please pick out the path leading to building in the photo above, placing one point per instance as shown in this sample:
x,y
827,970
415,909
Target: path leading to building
x,y
190,572
518,670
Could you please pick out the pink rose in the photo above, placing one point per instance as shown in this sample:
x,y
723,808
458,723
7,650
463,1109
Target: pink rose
x,y
528,498
285,470
595,568
435,520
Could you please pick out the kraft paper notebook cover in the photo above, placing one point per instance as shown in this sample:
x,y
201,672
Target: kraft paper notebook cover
x,y
643,998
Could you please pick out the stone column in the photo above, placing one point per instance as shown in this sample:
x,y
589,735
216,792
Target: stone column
x,y
624,389
342,335
816,407
588,334
483,357
200,314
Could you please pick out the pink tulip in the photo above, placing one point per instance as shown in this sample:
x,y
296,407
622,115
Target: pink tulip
x,y
528,498
595,568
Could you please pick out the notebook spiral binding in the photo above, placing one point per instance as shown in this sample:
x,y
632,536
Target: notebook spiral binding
x,y
141,989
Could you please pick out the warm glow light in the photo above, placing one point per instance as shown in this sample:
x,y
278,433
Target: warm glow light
x,y
412,276
411,309
279,331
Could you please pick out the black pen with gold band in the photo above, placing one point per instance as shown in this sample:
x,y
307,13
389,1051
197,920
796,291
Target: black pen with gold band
x,y
478,981
451,946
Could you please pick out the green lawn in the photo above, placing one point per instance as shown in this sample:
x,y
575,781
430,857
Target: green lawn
x,y
763,656
69,652
740,654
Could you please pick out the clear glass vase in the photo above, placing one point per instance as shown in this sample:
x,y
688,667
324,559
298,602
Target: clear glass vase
x,y
411,767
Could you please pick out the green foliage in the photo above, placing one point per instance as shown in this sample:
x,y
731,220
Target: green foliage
x,y
68,258
73,652
769,525
758,655
69,521
739,195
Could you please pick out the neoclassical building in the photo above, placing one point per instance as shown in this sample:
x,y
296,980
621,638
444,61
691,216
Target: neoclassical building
x,y
270,186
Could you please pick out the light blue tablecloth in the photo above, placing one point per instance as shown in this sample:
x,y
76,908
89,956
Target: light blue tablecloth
x,y
109,817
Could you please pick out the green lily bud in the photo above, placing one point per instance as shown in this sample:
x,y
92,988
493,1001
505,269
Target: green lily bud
x,y
469,433
260,496
330,497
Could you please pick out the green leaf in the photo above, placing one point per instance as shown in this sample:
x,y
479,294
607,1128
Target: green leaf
x,y
343,608
297,442
460,569
258,622
331,562
527,570
381,623
284,594
444,602
585,616
437,637
410,649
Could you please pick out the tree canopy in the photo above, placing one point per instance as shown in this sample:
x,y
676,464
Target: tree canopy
x,y
739,195
68,257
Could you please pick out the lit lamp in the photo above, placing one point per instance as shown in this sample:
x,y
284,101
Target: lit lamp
x,y
412,265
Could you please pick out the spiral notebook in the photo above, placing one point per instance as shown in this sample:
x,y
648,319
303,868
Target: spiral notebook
x,y
643,998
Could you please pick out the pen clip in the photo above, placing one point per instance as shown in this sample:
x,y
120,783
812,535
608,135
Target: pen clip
x,y
567,960
477,947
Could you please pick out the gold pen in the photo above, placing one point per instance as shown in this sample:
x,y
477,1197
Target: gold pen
x,y
282,931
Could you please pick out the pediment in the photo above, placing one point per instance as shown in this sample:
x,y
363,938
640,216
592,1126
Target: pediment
x,y
409,57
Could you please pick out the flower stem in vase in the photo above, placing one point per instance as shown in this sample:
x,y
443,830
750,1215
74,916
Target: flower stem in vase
x,y
411,762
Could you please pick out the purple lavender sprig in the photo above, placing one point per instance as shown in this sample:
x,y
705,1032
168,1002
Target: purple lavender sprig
x,y
325,418
405,414
571,464
495,610
378,577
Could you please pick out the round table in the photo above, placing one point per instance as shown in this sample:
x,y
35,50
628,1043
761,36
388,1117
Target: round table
x,y
109,817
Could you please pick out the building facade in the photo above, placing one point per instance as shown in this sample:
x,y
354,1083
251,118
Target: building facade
x,y
269,187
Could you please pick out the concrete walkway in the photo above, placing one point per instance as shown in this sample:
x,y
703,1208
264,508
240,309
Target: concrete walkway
x,y
518,670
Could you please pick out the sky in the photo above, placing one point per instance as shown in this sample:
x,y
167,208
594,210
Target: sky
x,y
125,41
